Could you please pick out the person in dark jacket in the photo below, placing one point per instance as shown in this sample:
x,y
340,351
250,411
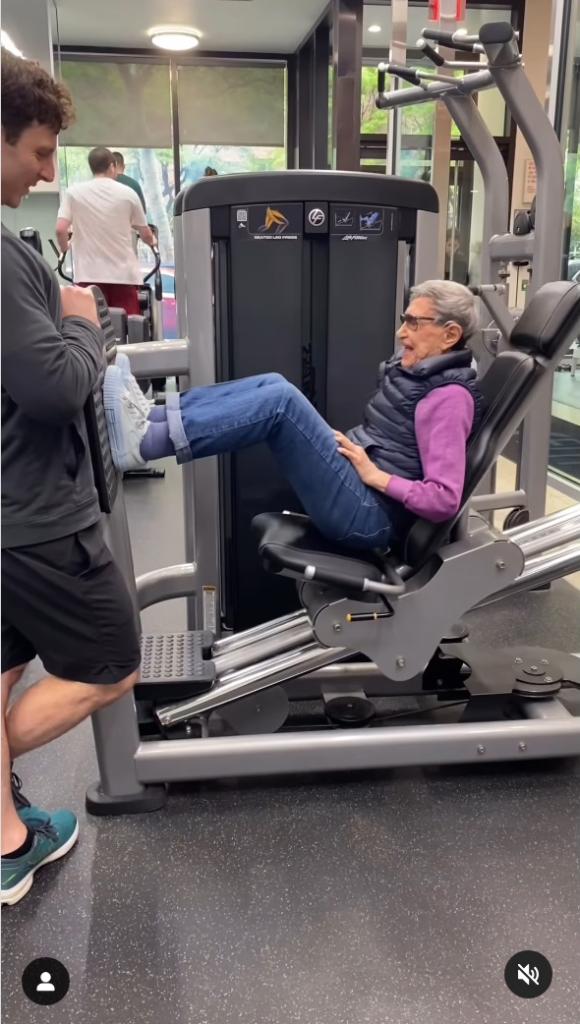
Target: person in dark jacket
x,y
126,179
407,458
63,599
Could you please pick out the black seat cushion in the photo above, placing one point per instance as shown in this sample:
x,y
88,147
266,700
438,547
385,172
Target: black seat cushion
x,y
288,542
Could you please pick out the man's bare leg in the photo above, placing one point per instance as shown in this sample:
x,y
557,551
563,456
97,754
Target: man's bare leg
x,y
14,830
53,706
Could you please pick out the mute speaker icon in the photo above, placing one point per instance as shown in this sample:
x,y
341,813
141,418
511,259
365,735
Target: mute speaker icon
x,y
528,974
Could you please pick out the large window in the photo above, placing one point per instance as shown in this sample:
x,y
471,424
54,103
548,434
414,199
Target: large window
x,y
418,17
231,118
417,120
125,106
417,124
565,437
229,160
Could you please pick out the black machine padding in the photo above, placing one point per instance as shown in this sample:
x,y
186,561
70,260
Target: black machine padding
x,y
496,32
291,542
105,474
119,323
551,316
304,186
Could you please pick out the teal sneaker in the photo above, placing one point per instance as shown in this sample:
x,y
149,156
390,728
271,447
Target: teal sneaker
x,y
54,836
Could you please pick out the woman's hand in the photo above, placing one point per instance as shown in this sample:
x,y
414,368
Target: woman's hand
x,y
370,474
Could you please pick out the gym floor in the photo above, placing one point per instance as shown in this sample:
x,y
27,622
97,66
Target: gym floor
x,y
393,897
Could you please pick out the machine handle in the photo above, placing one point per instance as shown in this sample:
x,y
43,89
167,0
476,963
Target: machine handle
x,y
400,71
344,579
431,53
449,39
381,79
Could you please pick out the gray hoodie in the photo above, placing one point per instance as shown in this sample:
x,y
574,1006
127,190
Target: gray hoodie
x,y
49,366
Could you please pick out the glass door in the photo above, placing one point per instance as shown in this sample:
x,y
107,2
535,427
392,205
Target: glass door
x,y
459,220
565,436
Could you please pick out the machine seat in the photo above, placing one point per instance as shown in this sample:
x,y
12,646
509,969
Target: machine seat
x,y
290,544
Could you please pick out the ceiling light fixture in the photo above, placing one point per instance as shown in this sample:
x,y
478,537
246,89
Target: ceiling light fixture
x,y
174,37
374,28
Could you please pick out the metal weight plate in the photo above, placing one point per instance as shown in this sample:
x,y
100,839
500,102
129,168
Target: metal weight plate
x,y
262,712
349,711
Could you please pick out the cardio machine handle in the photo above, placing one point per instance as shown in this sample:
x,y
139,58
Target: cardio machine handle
x,y
155,272
61,257
157,264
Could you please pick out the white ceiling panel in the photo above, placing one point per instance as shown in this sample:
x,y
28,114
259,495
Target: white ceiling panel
x,y
263,26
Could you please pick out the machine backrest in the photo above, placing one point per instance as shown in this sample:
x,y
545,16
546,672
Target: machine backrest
x,y
545,330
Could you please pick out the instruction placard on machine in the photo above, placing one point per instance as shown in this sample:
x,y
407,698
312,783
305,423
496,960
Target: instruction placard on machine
x,y
268,221
209,606
361,223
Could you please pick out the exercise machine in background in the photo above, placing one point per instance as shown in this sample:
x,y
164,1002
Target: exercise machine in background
x,y
503,69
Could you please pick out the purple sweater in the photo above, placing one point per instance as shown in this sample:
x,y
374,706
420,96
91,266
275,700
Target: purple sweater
x,y
443,422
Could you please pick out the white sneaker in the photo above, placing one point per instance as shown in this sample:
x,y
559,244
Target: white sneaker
x,y
123,362
126,423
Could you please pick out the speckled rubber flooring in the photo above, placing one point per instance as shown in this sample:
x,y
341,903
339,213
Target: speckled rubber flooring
x,y
392,897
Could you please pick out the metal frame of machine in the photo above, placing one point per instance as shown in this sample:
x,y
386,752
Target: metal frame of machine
x,y
396,617
504,70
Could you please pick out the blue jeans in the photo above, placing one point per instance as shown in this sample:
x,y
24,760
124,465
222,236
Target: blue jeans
x,y
267,408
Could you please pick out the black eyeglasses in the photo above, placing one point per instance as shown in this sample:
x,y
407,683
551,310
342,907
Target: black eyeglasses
x,y
412,322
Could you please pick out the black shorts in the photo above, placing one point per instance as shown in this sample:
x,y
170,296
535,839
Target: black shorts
x,y
67,602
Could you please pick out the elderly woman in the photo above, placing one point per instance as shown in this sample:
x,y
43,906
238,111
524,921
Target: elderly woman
x,y
406,458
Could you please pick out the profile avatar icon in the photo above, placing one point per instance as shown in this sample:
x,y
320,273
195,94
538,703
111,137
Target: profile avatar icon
x,y
45,981
45,984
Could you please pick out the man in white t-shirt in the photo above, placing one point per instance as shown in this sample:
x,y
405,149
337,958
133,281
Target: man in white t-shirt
x,y
103,214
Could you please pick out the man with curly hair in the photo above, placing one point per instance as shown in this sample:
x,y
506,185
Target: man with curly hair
x,y
63,599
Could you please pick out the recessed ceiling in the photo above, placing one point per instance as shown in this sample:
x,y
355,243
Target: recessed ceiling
x,y
262,26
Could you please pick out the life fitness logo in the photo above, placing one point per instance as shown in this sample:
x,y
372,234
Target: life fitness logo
x,y
316,217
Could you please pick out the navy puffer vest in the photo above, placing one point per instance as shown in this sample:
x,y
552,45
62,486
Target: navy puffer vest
x,y
388,426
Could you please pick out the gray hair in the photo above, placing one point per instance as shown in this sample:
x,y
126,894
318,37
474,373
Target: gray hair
x,y
451,301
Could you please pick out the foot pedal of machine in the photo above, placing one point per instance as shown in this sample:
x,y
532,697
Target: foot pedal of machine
x,y
175,666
